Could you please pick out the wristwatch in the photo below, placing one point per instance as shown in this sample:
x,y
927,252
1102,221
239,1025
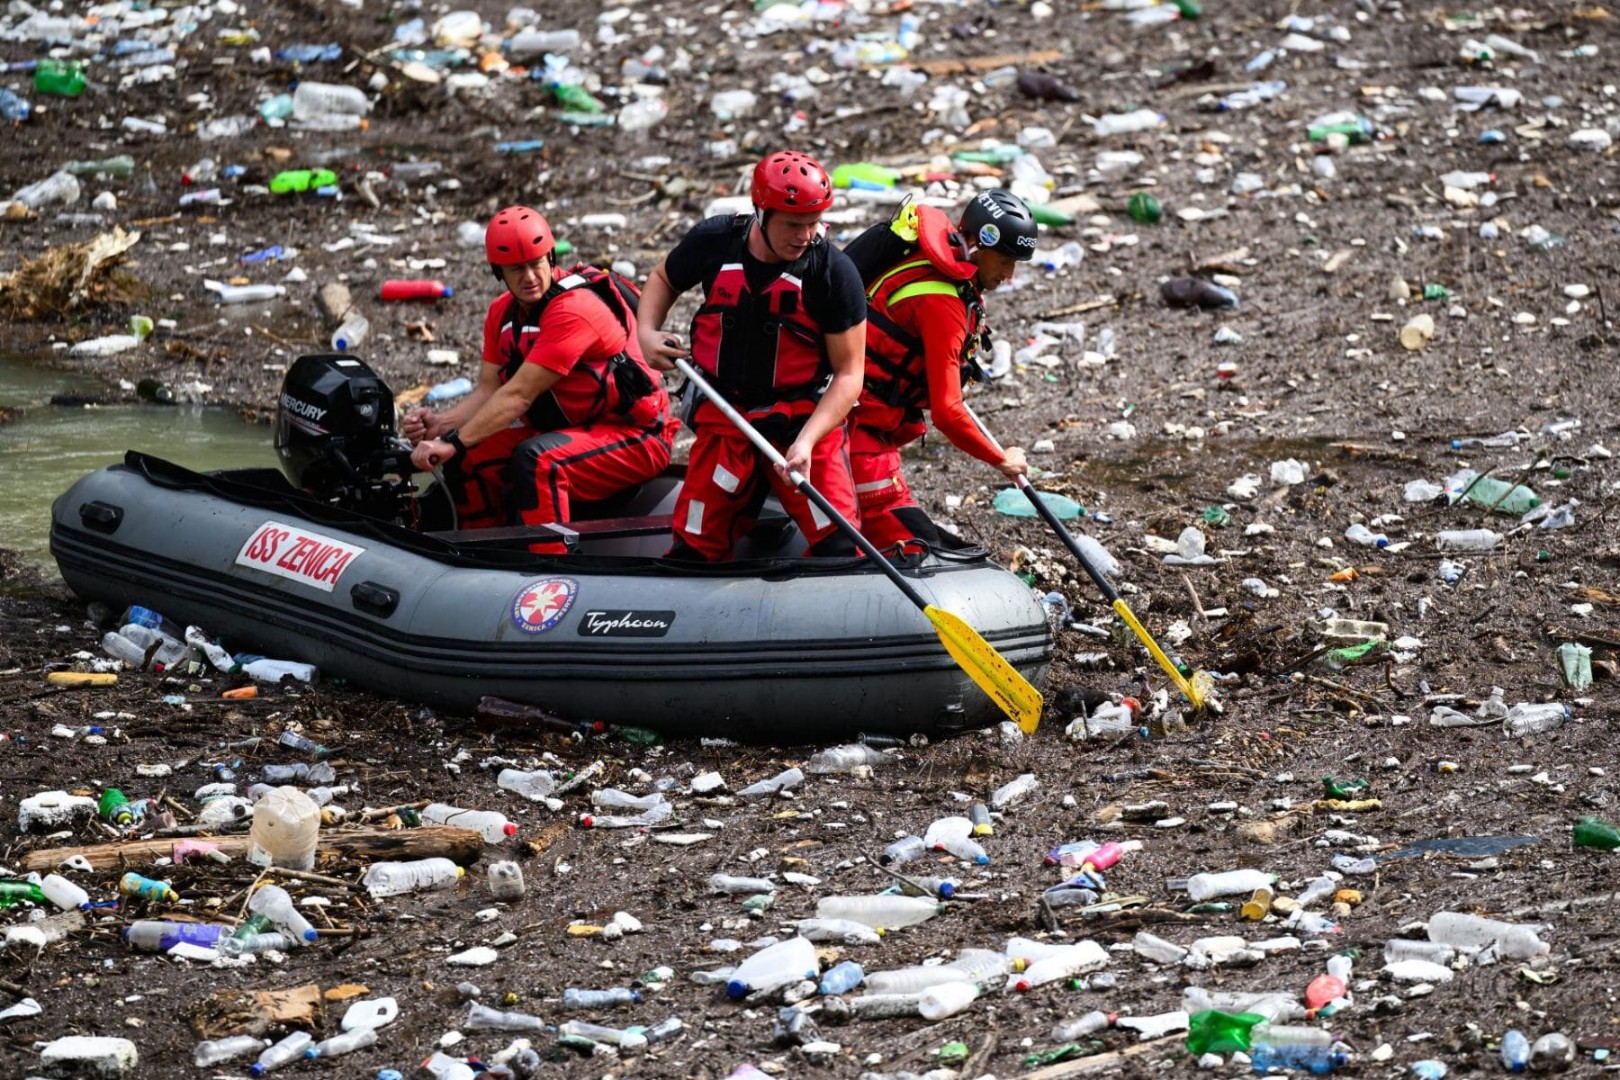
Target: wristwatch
x,y
453,437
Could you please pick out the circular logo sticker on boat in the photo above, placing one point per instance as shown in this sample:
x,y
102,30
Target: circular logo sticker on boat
x,y
989,236
542,604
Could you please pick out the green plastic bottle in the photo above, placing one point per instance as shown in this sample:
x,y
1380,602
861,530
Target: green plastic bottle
x,y
575,98
1045,215
996,155
120,165
1144,209
292,180
1344,789
1190,9
64,78
1490,492
1595,832
1214,1032
17,892
1014,503
865,175
114,807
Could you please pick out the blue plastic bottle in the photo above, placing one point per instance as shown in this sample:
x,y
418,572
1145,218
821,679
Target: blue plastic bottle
x,y
842,978
1515,1051
1312,1059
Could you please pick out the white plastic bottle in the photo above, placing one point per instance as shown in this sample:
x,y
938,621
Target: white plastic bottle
x,y
244,294
481,1017
886,911
272,901
776,965
1467,540
214,1051
351,332
947,999
532,42
286,829
1013,790
419,875
344,1042
842,759
63,893
782,781
614,799
311,99
287,1050
1201,887
1360,534
1436,952
1533,718
492,824
741,886
169,651
1513,941
59,187
1127,123
1076,959
119,647
913,979
535,786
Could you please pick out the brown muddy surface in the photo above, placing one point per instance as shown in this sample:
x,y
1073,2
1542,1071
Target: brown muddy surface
x,y
1318,377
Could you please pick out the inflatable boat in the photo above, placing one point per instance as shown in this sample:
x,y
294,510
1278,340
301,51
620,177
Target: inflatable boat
x,y
771,648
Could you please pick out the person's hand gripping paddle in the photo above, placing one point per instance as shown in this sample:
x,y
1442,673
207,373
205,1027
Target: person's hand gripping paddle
x,y
989,670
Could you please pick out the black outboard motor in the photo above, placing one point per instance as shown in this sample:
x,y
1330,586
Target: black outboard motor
x,y
336,439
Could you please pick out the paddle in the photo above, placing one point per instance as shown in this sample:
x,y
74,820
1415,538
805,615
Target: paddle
x,y
1011,692
1121,608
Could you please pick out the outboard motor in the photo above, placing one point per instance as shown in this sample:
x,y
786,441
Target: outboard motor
x,y
336,439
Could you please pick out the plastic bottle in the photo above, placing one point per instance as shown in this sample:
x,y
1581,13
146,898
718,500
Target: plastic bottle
x,y
444,391
841,978
1515,1051
903,850
614,799
1211,1031
161,935
312,99
1360,534
913,979
881,912
1533,718
63,893
344,1042
61,78
214,1051
1553,1052
1076,959
600,999
506,881
1467,540
1489,492
274,901
1127,123
842,759
287,1050
271,941
947,999
18,892
531,42
727,883
864,175
13,107
1304,1058
642,114
420,875
245,294
481,1017
1512,940
627,1040
782,781
396,289
1013,790
114,807
1592,832
1397,949
138,887
1201,887
492,824
776,965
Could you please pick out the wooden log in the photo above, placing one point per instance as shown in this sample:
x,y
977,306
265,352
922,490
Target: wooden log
x,y
357,847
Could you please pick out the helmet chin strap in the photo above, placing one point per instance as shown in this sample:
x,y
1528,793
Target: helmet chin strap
x,y
765,237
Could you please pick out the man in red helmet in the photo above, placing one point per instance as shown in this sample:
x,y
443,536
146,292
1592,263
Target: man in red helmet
x,y
565,409
782,334
925,326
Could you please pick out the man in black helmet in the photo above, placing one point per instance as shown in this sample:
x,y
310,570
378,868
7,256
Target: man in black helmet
x,y
925,328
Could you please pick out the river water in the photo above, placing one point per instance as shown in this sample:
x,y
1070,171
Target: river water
x,y
44,448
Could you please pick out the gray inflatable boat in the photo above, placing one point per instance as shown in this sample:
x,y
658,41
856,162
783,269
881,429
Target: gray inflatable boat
x,y
773,648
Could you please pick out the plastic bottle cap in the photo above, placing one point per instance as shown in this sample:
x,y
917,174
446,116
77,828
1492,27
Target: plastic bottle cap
x,y
946,890
736,989
509,829
448,291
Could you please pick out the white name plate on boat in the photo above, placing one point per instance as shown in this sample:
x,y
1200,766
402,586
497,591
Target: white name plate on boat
x,y
297,554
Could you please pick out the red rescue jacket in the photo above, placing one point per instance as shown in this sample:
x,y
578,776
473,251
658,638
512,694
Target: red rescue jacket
x,y
763,347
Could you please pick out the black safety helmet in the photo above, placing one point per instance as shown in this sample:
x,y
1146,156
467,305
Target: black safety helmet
x,y
1000,221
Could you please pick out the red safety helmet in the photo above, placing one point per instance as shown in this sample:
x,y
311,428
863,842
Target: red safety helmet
x,y
517,235
791,181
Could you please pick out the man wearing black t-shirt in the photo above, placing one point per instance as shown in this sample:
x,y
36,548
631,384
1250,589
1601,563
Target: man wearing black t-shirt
x,y
782,334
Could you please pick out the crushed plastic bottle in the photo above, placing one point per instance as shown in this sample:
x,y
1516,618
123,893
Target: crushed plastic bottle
x,y
385,879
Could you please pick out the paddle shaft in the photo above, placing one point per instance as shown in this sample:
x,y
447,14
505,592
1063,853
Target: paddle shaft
x,y
1117,602
775,456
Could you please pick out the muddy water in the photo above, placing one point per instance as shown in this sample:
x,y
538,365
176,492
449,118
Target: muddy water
x,y
44,448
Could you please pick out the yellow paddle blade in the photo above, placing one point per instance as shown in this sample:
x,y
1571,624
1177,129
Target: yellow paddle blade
x,y
1124,611
1011,692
